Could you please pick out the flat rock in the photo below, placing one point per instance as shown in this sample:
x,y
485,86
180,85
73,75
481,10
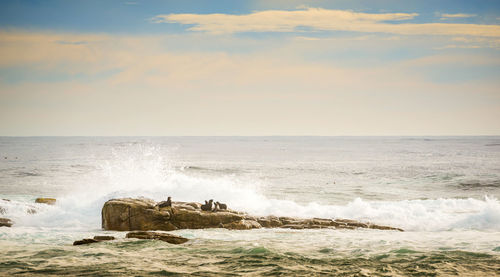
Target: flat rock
x,y
48,201
5,222
129,214
158,236
94,240
85,241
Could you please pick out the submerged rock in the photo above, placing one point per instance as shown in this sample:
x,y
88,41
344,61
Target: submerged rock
x,y
84,241
128,214
5,222
158,236
48,201
94,240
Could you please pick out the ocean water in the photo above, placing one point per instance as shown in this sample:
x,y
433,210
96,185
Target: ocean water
x,y
443,191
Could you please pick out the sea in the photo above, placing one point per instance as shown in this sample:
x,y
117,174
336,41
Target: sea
x,y
442,191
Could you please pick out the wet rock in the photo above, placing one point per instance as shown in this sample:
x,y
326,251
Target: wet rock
x,y
270,222
5,222
48,201
158,236
244,224
101,238
129,214
85,241
94,240
135,214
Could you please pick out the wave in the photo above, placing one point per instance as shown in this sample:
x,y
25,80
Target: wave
x,y
27,174
472,185
209,169
147,174
412,215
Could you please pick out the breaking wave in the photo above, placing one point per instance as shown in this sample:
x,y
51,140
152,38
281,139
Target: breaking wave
x,y
148,174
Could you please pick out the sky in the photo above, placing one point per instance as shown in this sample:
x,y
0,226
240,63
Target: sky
x,y
274,67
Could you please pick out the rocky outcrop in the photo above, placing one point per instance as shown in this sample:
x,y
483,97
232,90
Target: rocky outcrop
x,y
5,222
128,214
48,201
94,240
158,236
102,238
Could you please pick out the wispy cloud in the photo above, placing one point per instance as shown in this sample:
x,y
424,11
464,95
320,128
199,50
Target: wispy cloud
x,y
476,42
317,19
280,21
453,46
71,42
456,15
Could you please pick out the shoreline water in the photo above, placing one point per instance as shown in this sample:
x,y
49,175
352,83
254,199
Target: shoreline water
x,y
443,192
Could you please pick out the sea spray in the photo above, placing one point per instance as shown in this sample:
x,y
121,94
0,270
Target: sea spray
x,y
137,170
432,188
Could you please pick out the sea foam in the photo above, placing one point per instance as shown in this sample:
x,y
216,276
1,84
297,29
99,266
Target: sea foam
x,y
146,173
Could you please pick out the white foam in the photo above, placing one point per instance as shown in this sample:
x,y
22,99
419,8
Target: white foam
x,y
146,173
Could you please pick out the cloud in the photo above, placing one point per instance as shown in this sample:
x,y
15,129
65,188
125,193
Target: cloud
x,y
477,42
456,15
453,46
272,91
71,42
317,19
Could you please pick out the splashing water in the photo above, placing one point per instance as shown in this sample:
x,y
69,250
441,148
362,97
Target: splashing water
x,y
146,172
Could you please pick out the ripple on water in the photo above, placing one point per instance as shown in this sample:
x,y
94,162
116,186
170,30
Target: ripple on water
x,y
150,259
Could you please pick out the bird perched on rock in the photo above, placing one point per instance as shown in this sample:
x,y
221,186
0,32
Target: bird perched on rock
x,y
207,206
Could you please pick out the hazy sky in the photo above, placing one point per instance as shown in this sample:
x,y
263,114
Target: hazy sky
x,y
282,67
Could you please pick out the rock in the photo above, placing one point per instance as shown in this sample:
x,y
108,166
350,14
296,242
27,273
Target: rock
x,y
101,238
48,201
196,206
85,241
129,214
270,222
243,224
186,207
5,222
135,214
94,240
187,219
158,236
